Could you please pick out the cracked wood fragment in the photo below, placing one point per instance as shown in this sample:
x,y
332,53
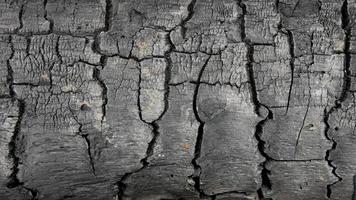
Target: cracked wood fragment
x,y
125,136
167,175
152,88
230,123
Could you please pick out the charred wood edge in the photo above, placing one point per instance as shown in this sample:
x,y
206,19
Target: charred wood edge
x,y
345,19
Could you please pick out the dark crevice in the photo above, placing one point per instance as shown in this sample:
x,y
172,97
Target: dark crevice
x,y
251,79
234,85
13,180
108,15
291,63
151,144
167,57
199,140
57,51
261,147
91,159
250,60
104,89
303,122
122,186
242,20
10,72
345,19
20,18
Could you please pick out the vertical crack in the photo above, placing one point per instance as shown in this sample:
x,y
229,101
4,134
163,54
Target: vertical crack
x,y
14,181
345,19
261,147
104,89
259,127
91,159
20,18
199,140
291,63
303,122
10,72
108,15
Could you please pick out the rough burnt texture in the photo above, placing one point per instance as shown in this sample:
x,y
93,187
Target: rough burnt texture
x,y
178,99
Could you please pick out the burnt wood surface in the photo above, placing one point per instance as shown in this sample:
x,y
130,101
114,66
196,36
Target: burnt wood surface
x,y
177,99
